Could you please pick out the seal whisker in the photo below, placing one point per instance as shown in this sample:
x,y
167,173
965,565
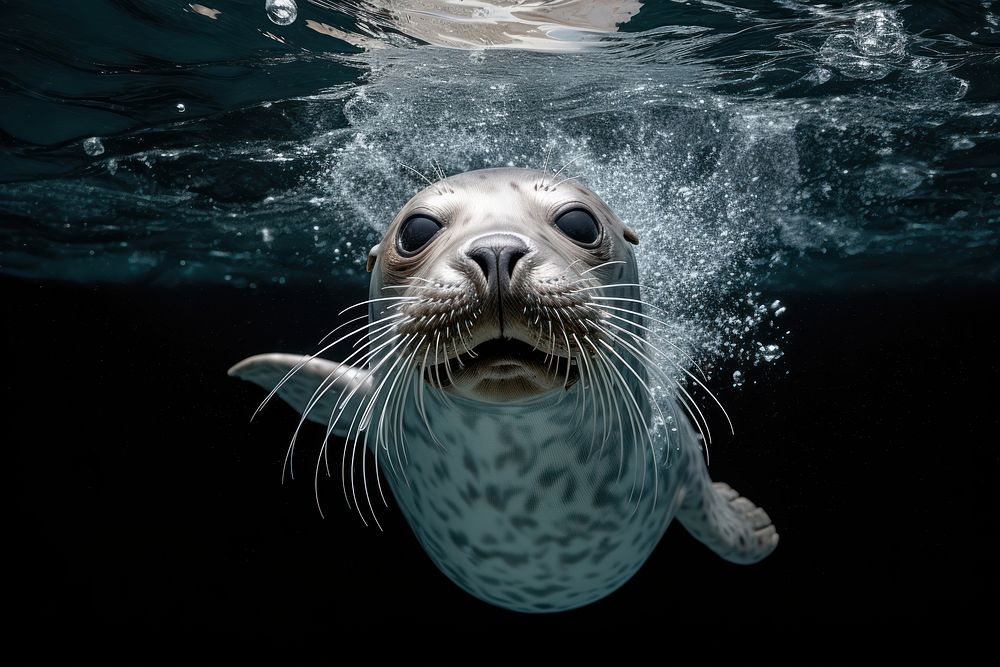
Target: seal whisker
x,y
458,355
303,363
439,172
569,353
427,180
338,408
588,373
652,400
437,370
386,432
591,375
344,367
378,484
545,164
398,418
571,178
437,366
635,352
378,333
324,447
618,414
447,361
706,432
587,289
571,161
651,307
381,298
686,400
588,378
602,362
699,382
362,426
351,321
552,350
597,391
468,350
364,477
324,386
690,375
387,409
341,407
602,389
638,416
421,406
606,402
687,356
602,265
318,394
369,409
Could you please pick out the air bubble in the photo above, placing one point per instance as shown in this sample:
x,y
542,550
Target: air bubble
x,y
820,75
93,146
870,50
879,33
770,352
281,12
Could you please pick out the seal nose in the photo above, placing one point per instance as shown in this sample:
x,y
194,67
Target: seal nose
x,y
496,255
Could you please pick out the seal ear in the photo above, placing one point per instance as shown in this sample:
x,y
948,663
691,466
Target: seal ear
x,y
372,258
631,236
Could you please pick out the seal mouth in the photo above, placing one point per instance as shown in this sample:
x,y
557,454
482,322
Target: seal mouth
x,y
503,358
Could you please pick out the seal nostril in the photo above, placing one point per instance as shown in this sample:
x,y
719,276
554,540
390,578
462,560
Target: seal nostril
x,y
509,257
485,259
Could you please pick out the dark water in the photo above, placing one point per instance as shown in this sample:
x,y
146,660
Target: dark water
x,y
841,159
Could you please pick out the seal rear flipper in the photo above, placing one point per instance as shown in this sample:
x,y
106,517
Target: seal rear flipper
x,y
336,383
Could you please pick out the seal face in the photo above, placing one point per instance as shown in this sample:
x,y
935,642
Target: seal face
x,y
505,389
494,264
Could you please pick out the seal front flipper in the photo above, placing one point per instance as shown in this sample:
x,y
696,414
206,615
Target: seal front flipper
x,y
726,522
718,516
336,383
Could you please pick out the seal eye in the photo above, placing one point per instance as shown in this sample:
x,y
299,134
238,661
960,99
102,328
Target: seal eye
x,y
580,226
417,232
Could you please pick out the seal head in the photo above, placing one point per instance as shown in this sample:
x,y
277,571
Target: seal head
x,y
494,266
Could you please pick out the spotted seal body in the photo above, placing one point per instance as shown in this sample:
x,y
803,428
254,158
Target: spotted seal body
x,y
513,399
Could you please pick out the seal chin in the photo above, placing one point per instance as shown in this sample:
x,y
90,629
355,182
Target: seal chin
x,y
502,370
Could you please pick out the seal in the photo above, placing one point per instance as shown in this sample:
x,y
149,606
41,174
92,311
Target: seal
x,y
513,393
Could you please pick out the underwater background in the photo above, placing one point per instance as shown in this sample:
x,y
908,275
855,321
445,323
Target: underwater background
x,y
816,187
